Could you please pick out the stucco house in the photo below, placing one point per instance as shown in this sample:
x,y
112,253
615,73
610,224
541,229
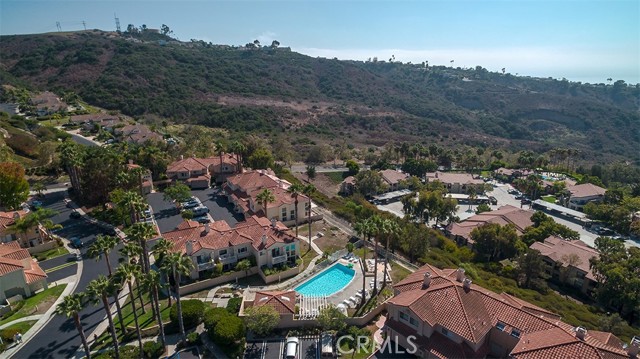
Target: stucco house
x,y
348,186
34,237
393,179
580,195
242,190
266,243
199,172
445,315
518,217
48,103
147,180
568,261
457,182
19,273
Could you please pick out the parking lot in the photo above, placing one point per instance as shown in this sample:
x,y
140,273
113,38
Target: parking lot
x,y
168,216
274,349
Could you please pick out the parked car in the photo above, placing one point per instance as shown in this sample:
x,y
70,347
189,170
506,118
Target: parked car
x,y
202,219
36,205
190,204
75,215
76,242
326,345
199,211
493,200
525,200
291,348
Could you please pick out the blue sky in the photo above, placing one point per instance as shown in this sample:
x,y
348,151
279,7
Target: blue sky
x,y
586,41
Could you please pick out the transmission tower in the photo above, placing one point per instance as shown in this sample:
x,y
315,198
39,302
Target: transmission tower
x,y
84,24
58,26
117,22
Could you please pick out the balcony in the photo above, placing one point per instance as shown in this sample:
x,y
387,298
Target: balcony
x,y
206,265
228,258
279,259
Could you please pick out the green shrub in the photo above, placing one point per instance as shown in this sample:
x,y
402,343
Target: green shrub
x,y
126,352
192,311
7,334
193,338
213,316
230,330
152,350
233,306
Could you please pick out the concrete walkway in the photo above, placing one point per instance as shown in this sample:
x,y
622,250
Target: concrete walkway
x,y
20,320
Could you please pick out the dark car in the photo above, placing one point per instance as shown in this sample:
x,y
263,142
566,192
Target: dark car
x,y
493,200
75,215
76,242
525,200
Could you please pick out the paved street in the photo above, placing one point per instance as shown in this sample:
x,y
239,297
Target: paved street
x,y
274,349
59,338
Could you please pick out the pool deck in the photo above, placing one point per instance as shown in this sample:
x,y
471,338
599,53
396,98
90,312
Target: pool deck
x,y
351,289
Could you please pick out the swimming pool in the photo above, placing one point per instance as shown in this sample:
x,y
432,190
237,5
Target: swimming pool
x,y
327,282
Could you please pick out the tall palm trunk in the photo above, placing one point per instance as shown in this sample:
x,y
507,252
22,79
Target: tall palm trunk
x,y
386,262
144,311
375,269
135,318
106,257
296,214
83,337
309,220
169,288
112,328
156,299
119,312
176,278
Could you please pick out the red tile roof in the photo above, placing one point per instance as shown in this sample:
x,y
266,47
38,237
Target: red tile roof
x,y
283,302
559,250
249,184
448,177
586,190
220,235
200,164
392,176
14,258
8,218
471,313
520,218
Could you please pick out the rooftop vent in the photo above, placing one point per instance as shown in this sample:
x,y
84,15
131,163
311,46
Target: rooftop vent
x,y
427,280
264,239
581,333
273,222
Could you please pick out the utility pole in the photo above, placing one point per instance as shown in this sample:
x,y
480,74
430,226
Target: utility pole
x,y
58,26
84,24
117,22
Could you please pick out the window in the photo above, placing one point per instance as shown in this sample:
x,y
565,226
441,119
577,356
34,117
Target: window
x,y
223,252
500,326
413,322
261,253
404,316
242,250
292,215
445,331
306,209
515,333
284,214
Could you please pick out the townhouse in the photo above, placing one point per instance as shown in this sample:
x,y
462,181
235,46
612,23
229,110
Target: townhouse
x,y
568,262
457,182
19,273
580,195
33,237
445,315
242,190
200,172
393,179
146,180
265,243
518,217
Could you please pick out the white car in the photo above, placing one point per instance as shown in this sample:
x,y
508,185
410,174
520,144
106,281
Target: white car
x,y
291,348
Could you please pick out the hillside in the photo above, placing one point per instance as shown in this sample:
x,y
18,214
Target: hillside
x,y
269,91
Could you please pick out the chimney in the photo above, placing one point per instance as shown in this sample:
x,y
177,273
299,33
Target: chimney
x,y
130,161
427,280
264,239
581,333
207,228
273,223
466,283
181,157
634,347
460,274
16,215
189,247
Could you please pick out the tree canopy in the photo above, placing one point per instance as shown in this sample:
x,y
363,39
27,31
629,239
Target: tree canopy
x,y
14,188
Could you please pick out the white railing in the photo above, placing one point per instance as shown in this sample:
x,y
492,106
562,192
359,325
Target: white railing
x,y
279,259
228,258
206,265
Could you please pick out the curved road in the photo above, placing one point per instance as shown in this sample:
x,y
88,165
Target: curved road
x,y
59,338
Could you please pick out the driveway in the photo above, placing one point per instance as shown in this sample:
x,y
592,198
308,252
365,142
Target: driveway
x,y
165,213
219,208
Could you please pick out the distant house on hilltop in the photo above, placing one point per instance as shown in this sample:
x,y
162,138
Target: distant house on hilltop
x,y
198,172
138,134
47,103
393,179
519,218
457,182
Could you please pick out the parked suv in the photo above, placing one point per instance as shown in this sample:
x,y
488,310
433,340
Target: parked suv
x,y
199,211
291,349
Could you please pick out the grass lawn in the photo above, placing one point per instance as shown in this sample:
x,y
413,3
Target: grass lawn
x,y
398,272
363,353
21,328
336,177
51,253
486,174
550,199
37,304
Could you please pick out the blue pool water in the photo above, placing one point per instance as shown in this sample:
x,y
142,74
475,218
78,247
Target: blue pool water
x,y
327,282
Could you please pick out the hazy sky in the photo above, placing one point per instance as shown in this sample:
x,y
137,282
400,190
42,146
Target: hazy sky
x,y
586,41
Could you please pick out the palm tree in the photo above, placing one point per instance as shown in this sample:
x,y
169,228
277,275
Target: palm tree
x,y
135,203
179,265
295,190
238,148
99,290
72,157
364,228
376,228
39,188
162,248
264,198
308,191
471,192
133,252
102,246
141,232
127,272
40,217
71,306
152,282
390,228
